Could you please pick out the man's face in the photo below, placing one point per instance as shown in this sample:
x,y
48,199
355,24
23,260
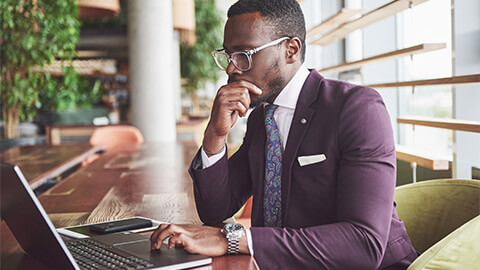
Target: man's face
x,y
248,31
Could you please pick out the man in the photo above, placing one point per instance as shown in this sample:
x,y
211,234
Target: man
x,y
319,162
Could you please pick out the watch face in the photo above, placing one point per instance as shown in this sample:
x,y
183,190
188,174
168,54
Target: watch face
x,y
233,228
237,227
228,227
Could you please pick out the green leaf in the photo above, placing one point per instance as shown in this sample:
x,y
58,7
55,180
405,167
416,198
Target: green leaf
x,y
31,33
197,64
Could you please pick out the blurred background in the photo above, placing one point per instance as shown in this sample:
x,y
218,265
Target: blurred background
x,y
70,66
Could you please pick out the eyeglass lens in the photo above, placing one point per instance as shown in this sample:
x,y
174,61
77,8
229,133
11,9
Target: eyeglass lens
x,y
239,59
222,60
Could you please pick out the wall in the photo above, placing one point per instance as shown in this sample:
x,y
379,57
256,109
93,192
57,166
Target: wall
x,y
466,42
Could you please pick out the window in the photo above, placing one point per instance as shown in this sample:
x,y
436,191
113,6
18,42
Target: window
x,y
429,22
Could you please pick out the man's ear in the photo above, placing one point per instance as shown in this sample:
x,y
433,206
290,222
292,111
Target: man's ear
x,y
294,48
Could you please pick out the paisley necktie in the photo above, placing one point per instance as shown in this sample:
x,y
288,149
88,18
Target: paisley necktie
x,y
272,208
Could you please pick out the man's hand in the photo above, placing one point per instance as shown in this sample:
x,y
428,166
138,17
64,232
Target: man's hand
x,y
232,100
204,240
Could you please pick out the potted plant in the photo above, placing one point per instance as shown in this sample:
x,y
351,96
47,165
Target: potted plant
x,y
70,100
32,33
197,65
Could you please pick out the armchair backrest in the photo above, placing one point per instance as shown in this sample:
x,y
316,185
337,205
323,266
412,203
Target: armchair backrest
x,y
433,209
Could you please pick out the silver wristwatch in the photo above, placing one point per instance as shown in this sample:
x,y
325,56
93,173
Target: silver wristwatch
x,y
233,232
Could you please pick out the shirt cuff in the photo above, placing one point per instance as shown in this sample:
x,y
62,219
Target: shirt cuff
x,y
209,161
249,241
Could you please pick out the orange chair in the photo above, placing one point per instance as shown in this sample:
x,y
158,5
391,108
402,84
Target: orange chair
x,y
116,136
246,215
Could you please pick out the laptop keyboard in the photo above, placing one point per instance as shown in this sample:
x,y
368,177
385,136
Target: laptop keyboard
x,y
91,254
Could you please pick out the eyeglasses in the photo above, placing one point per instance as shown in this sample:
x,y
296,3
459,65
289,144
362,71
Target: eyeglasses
x,y
241,60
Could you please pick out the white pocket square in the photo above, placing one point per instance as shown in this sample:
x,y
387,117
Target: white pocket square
x,y
307,160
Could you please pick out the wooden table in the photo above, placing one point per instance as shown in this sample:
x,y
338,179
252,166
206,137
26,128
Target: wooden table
x,y
150,181
42,162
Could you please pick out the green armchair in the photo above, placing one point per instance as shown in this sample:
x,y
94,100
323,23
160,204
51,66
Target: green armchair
x,y
434,212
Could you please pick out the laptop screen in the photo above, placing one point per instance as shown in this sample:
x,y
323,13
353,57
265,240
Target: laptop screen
x,y
29,222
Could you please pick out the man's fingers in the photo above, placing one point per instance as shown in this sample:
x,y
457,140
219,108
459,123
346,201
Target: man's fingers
x,y
238,99
232,100
240,107
156,233
183,240
245,99
176,240
234,117
248,85
194,239
162,233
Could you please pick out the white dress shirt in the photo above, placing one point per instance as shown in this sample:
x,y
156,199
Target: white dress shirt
x,y
286,101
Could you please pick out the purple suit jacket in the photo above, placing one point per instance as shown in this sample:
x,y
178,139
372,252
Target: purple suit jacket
x,y
338,213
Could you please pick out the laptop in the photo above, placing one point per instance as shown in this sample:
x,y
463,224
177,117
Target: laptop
x,y
35,232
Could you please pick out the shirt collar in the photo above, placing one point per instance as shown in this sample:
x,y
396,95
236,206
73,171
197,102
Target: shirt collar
x,y
289,95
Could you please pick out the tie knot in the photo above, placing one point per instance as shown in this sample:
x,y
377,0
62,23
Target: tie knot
x,y
269,110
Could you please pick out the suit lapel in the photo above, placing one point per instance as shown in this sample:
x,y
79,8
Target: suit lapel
x,y
300,124
256,159
298,129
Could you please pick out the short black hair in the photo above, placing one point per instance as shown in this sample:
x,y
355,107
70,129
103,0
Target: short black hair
x,y
286,17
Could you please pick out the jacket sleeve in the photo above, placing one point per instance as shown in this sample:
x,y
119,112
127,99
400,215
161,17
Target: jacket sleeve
x,y
221,189
364,200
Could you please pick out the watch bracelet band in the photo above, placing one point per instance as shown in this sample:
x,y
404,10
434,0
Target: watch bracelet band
x,y
232,246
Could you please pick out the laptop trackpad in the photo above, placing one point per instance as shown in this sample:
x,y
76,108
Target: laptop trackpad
x,y
160,257
115,239
139,245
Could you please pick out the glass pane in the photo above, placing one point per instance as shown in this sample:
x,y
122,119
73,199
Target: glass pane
x,y
241,60
429,22
222,60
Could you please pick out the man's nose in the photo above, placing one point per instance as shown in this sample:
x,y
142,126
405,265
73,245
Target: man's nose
x,y
231,69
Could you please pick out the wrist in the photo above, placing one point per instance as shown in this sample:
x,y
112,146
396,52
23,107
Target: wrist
x,y
213,144
234,234
209,154
243,245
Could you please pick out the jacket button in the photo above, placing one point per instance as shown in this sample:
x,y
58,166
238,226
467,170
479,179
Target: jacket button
x,y
303,121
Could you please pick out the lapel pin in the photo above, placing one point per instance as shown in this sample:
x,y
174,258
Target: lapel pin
x,y
303,121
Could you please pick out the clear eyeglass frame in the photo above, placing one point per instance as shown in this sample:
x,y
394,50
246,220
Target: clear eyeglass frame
x,y
241,60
